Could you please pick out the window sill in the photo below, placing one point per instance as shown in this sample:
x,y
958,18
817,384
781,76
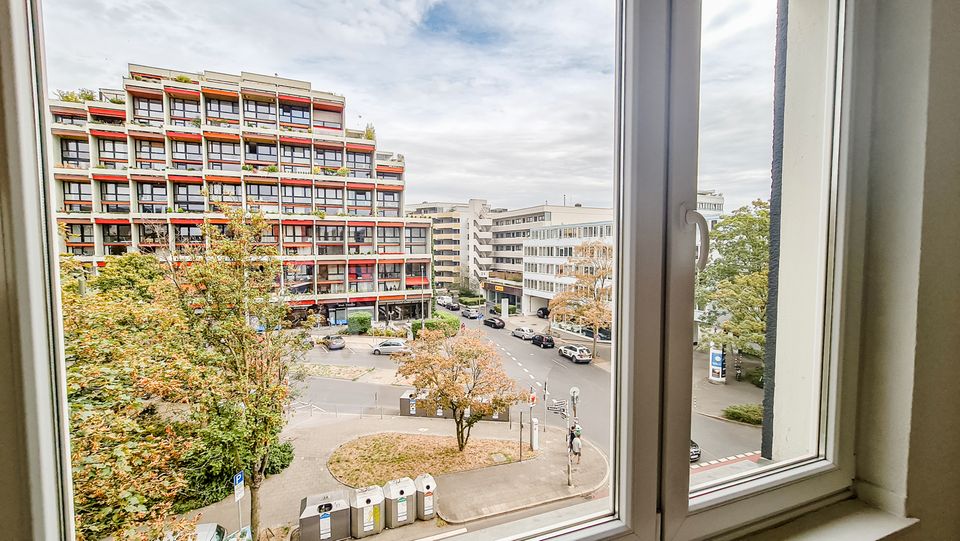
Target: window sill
x,y
848,519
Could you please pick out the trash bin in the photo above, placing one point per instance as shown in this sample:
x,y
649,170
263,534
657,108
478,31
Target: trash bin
x,y
325,517
366,511
401,502
426,487
408,404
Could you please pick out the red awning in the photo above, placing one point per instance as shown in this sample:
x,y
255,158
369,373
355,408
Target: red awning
x,y
297,222
186,221
294,99
362,261
385,261
220,136
322,184
390,224
389,188
102,111
225,180
363,299
73,220
328,144
417,225
71,178
149,136
288,262
183,179
296,182
364,224
148,178
260,180
70,134
391,298
260,137
220,93
417,280
173,91
110,178
258,93
109,134
328,106
218,220
112,221
294,140
388,169
141,91
181,136
359,148
356,186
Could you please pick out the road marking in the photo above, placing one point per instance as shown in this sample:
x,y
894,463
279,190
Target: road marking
x,y
519,363
558,363
531,354
525,370
539,384
531,376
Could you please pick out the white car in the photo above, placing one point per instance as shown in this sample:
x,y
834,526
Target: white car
x,y
444,300
393,345
523,332
577,354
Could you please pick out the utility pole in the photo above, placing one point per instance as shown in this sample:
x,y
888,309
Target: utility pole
x,y
544,406
533,399
521,435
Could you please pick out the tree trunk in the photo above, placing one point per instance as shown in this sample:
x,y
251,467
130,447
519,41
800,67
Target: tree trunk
x,y
254,511
596,331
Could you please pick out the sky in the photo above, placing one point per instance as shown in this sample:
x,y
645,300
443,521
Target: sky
x,y
507,100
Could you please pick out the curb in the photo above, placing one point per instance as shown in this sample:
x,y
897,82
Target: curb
x,y
606,476
724,419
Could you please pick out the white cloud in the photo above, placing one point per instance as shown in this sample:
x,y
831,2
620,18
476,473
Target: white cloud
x,y
511,101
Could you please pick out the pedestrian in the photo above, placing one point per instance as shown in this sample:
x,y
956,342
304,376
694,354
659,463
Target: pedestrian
x,y
463,326
570,437
577,446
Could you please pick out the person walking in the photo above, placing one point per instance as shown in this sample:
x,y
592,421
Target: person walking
x,y
576,446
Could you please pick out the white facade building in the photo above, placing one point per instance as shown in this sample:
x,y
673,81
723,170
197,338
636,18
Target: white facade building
x,y
461,240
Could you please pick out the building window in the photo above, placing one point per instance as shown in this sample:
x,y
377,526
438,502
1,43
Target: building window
x,y
188,197
359,160
296,199
295,114
263,198
150,154
260,111
224,193
295,159
327,119
115,197
388,239
79,233
389,176
187,151
148,111
263,152
223,109
329,198
77,196
329,158
75,152
360,239
187,234
152,197
112,153
416,240
361,278
182,112
359,202
153,233
116,233
297,233
70,119
223,156
298,278
388,204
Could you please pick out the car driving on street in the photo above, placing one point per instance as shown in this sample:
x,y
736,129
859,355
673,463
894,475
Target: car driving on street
x,y
333,341
494,322
523,332
542,340
471,313
577,354
453,306
694,451
393,345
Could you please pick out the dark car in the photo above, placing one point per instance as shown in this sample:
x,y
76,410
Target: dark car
x,y
453,306
494,322
543,313
604,334
542,340
694,451
333,342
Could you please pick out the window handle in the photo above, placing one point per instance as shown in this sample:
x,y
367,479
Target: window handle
x,y
695,218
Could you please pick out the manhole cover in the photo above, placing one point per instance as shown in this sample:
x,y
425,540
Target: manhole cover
x,y
498,457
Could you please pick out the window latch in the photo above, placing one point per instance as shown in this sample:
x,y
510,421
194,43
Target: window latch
x,y
695,218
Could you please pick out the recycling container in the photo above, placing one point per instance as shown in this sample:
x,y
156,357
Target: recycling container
x,y
401,502
366,511
325,517
426,499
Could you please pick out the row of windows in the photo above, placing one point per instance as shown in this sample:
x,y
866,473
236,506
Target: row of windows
x,y
573,232
511,234
545,216
548,251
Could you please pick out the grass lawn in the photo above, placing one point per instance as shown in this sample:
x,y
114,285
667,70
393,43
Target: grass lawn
x,y
378,458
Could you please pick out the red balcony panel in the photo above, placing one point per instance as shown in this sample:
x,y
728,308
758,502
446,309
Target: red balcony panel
x,y
74,220
148,136
183,179
294,140
224,180
260,137
120,136
388,169
368,224
355,147
389,188
307,302
220,136
258,93
186,221
260,180
71,178
149,178
110,178
181,136
292,263
388,261
417,280
321,184
391,298
220,93
297,222
327,105
112,220
69,134
359,186
328,145
294,99
363,299
182,92
144,92
102,111
296,182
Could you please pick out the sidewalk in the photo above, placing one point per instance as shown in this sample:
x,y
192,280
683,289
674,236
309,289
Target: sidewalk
x,y
541,480
711,398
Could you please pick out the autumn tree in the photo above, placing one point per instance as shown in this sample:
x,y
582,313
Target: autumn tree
x,y
732,289
463,374
136,374
588,300
228,290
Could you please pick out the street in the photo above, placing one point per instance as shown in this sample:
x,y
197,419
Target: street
x,y
531,367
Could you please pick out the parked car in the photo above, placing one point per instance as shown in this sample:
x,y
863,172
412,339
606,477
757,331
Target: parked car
x,y
543,313
333,341
577,354
393,345
694,451
453,306
542,340
495,310
523,332
444,300
494,322
471,313
604,334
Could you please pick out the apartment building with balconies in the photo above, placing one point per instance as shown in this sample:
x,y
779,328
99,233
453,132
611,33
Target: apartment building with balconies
x,y
461,241
145,166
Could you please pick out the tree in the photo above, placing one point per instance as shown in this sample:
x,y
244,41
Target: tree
x,y
136,374
732,289
229,292
587,300
463,374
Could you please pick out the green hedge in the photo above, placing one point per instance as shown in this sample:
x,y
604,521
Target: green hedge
x,y
755,376
471,301
359,322
745,413
448,323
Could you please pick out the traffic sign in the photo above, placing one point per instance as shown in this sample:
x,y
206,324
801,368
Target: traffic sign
x,y
238,487
555,409
533,399
560,403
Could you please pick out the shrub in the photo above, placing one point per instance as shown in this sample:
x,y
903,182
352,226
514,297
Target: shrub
x,y
448,323
745,413
359,322
755,376
388,332
281,455
471,301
